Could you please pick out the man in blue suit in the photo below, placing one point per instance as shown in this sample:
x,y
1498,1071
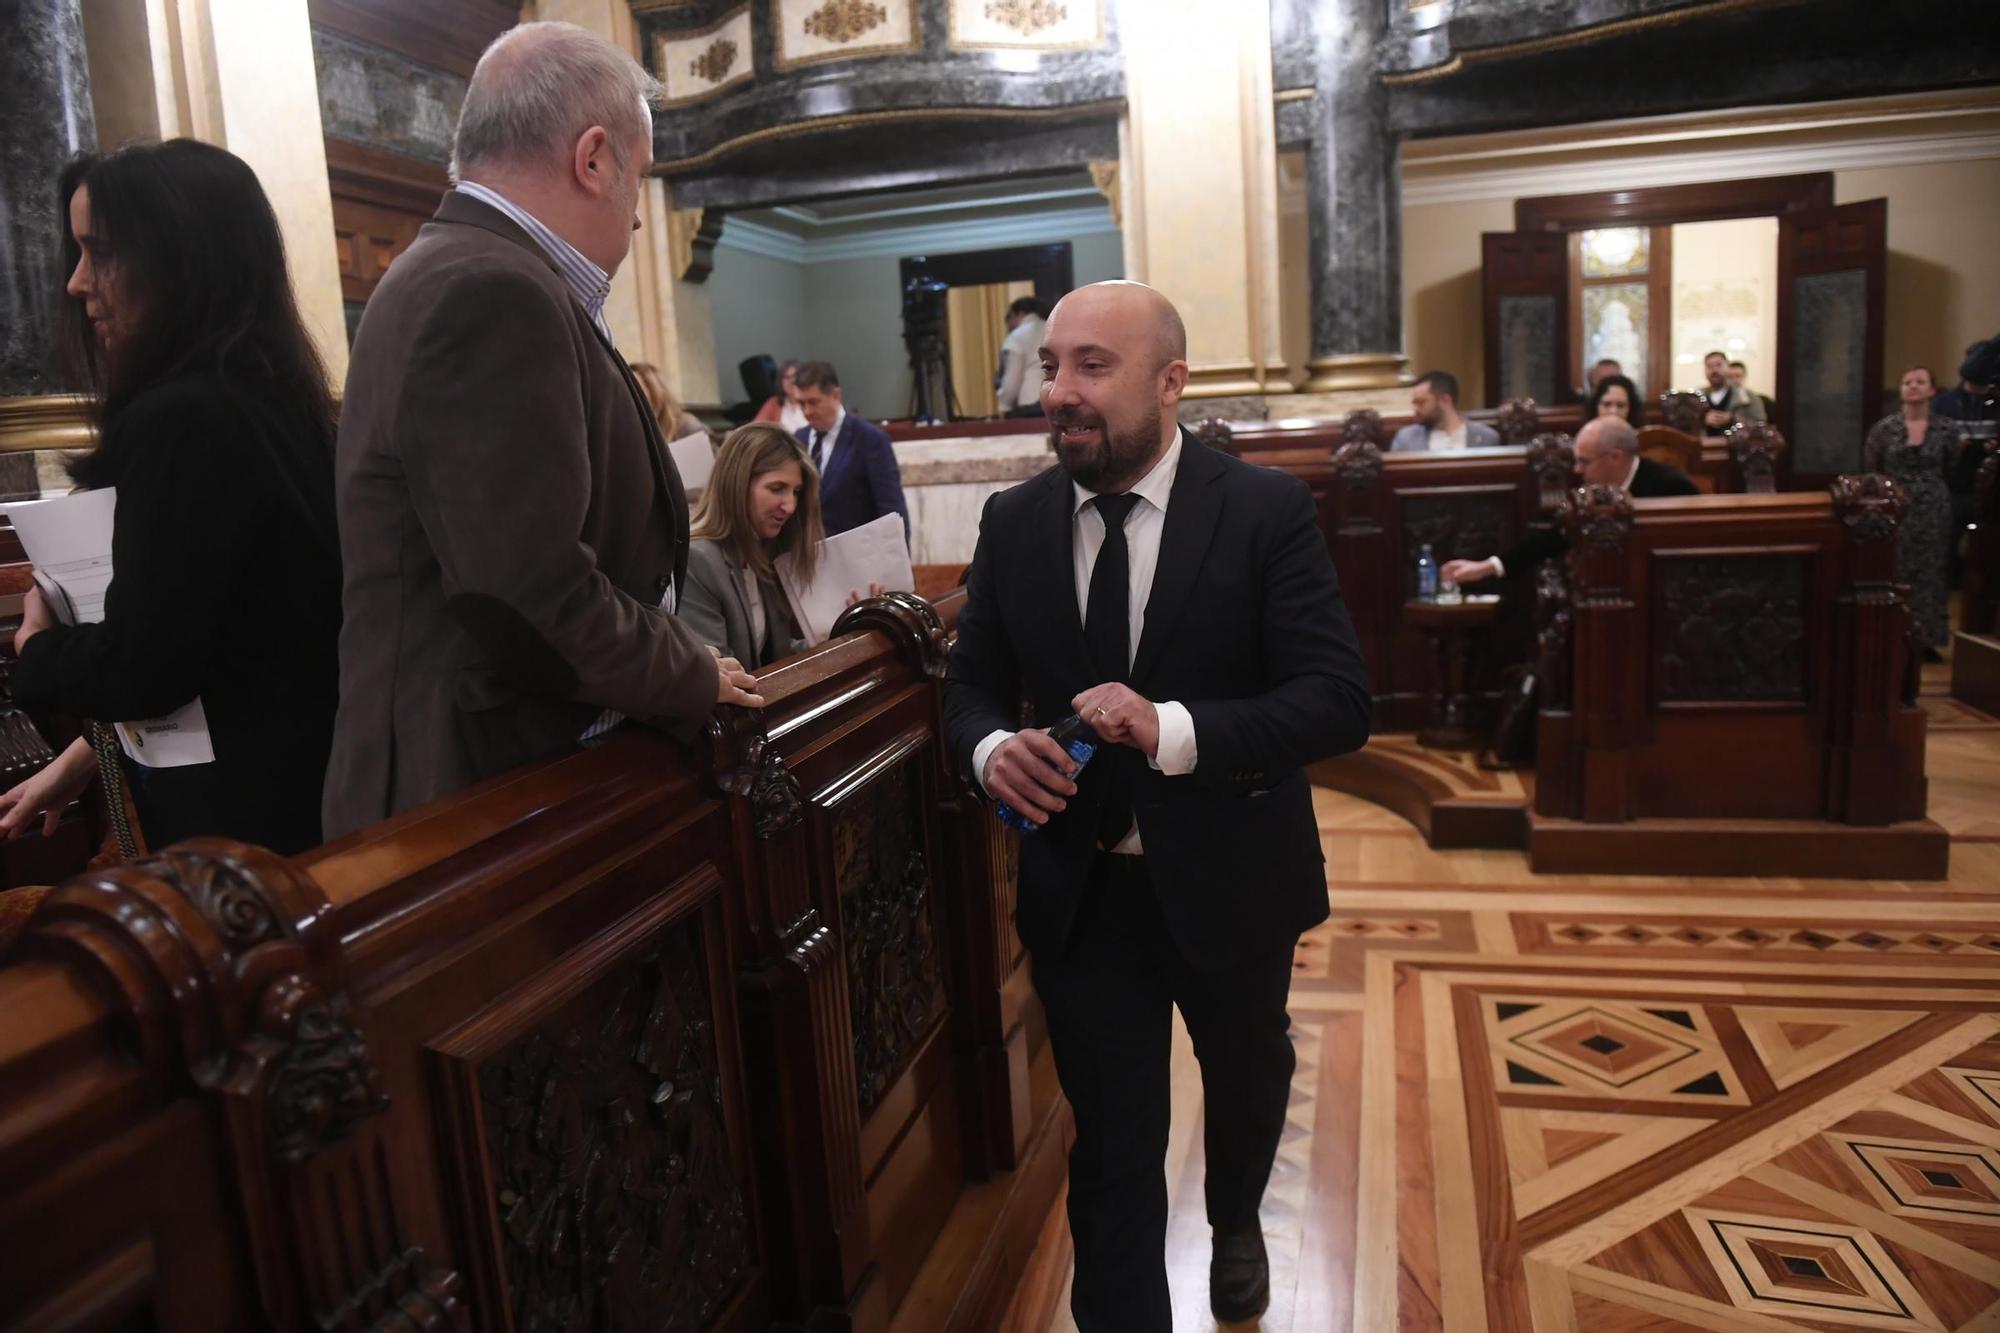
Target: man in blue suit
x,y
858,477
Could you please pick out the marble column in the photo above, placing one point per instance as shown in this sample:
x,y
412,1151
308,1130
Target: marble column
x,y
1354,209
45,104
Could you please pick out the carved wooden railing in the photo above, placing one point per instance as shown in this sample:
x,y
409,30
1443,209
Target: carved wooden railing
x,y
1741,657
653,1035
1979,605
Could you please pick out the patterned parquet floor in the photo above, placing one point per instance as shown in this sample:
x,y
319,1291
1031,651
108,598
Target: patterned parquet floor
x,y
1587,1104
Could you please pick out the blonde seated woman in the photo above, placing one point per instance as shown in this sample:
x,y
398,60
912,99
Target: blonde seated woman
x,y
676,422
762,502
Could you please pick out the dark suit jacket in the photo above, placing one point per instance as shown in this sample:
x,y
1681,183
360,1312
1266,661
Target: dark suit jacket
x,y
1652,482
862,481
226,588
509,518
1244,626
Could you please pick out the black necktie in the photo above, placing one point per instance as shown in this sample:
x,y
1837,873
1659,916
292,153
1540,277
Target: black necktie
x,y
1107,632
819,438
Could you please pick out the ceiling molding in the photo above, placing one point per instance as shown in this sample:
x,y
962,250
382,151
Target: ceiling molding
x,y
930,238
1425,184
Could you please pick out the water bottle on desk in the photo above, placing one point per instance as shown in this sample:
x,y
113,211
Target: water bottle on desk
x,y
1079,742
1427,575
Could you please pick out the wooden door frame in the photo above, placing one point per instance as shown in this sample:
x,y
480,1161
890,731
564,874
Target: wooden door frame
x,y
1664,205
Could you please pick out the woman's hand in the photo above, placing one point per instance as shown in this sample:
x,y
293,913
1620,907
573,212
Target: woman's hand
x,y
35,618
874,590
49,792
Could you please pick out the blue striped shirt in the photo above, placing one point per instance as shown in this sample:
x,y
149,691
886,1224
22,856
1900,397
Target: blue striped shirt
x,y
590,283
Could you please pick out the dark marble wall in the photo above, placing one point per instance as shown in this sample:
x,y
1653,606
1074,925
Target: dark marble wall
x,y
929,114
1354,200
45,108
383,99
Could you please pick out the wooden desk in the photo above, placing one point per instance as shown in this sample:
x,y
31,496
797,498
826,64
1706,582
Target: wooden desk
x,y
1452,718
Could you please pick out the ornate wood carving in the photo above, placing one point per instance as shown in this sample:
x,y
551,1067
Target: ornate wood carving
x,y
222,958
895,970
1870,505
1358,463
1552,635
1734,628
911,623
1215,433
1684,412
746,764
1755,448
1552,458
1599,517
1364,426
1455,527
1518,421
618,1198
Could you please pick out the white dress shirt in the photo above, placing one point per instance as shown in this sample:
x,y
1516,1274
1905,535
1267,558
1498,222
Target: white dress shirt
x,y
1448,441
1019,388
826,445
1143,528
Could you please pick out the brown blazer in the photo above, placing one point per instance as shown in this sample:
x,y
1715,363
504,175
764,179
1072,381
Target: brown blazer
x,y
509,518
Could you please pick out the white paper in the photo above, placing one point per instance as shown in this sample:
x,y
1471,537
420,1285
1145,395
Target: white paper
x,y
694,458
68,541
872,553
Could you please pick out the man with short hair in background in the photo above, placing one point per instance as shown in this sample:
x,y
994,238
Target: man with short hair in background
x,y
1728,402
512,528
1605,366
859,480
1020,390
1438,425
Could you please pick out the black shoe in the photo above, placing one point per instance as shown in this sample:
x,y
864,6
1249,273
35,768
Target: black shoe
x,y
1239,1277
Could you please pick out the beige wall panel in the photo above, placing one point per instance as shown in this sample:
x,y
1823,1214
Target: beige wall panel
x,y
1441,305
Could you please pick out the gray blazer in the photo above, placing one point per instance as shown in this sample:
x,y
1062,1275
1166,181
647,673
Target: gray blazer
x,y
509,521
715,604
1415,438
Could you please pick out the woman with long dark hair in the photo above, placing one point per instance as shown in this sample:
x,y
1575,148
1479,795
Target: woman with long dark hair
x,y
215,426
1616,396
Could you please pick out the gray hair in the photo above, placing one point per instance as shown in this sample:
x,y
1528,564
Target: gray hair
x,y
1614,434
539,86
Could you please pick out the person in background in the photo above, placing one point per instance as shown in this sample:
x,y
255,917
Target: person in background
x,y
1727,403
1607,454
1603,368
1917,448
1739,377
783,406
1616,396
514,529
1438,426
1973,406
1020,391
762,502
676,422
859,478
215,426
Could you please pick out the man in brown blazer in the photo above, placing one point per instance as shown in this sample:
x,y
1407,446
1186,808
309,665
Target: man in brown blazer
x,y
512,527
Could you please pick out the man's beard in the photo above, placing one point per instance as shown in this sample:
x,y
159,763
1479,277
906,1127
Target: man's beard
x,y
1115,460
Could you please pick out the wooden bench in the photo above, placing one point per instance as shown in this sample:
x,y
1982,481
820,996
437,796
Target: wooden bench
x,y
708,1037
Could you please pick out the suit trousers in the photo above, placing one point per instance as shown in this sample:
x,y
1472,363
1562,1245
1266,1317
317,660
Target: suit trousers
x,y
1109,997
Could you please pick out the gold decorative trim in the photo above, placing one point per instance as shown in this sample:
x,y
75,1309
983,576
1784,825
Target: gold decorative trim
x,y
1581,37
838,13
1104,175
1284,95
728,80
1356,370
843,21
45,421
955,43
683,224
852,119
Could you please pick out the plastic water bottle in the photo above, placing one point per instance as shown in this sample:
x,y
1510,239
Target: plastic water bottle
x,y
1079,741
1427,575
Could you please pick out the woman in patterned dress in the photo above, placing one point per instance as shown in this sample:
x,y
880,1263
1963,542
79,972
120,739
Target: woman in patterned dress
x,y
1916,449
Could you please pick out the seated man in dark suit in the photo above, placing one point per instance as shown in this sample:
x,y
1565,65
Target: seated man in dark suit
x,y
1607,454
858,477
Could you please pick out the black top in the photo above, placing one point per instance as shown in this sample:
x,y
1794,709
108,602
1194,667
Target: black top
x,y
226,588
1653,481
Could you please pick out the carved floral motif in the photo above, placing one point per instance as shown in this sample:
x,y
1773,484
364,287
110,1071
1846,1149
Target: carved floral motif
x,y
1756,447
1364,426
1215,433
1870,505
1553,620
844,20
1601,516
617,1191
1684,412
1027,17
1358,463
895,971
1518,421
715,62
1735,628
323,1084
1552,458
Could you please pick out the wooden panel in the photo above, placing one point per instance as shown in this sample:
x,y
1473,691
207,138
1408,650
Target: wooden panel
x,y
1665,204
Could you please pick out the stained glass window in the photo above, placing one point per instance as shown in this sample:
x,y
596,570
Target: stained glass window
x,y
1614,327
1615,252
